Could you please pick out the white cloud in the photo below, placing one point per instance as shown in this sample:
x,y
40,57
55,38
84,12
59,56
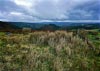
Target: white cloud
x,y
16,13
37,10
49,8
25,3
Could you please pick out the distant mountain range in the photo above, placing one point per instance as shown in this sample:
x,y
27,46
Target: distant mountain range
x,y
48,25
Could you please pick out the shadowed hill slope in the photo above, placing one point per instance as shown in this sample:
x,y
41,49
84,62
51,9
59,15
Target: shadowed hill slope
x,y
7,26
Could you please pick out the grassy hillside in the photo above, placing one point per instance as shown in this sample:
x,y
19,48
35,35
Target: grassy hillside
x,y
47,51
94,36
91,35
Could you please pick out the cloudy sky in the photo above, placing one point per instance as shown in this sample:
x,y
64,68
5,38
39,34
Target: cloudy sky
x,y
49,10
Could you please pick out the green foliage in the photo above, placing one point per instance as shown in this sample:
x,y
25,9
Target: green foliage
x,y
2,33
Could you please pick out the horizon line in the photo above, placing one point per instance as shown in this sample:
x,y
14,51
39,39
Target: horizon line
x,y
98,21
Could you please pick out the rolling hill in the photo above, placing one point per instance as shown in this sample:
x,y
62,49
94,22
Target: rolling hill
x,y
48,25
7,25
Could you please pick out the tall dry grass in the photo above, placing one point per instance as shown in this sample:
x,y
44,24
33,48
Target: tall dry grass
x,y
46,51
